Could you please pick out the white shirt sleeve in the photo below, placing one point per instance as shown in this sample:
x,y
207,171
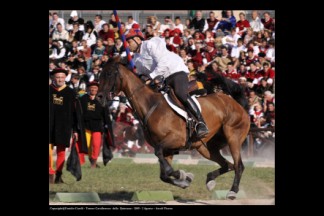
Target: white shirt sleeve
x,y
156,49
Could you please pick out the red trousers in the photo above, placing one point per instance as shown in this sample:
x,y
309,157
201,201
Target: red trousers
x,y
60,151
93,143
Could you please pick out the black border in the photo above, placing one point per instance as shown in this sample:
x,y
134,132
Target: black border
x,y
284,162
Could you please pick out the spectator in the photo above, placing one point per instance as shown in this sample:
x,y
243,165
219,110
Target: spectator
x,y
62,121
210,52
268,22
152,20
235,53
224,59
51,66
113,22
91,35
94,76
168,24
263,87
149,33
242,25
50,24
75,83
268,73
110,47
60,33
257,113
85,52
249,36
119,47
209,37
75,33
253,98
57,20
251,58
255,22
106,33
99,50
270,114
130,22
177,25
270,54
184,56
212,22
231,72
75,19
228,21
198,23
263,47
186,36
123,28
268,98
231,39
170,46
58,54
187,24
98,22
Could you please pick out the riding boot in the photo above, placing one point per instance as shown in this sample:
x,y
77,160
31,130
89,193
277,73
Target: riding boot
x,y
201,128
58,178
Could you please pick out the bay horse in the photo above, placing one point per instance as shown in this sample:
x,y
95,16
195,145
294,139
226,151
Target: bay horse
x,y
165,130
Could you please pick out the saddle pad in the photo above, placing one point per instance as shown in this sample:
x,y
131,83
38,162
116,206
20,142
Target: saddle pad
x,y
181,112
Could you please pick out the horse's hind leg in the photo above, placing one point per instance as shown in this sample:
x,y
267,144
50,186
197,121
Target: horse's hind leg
x,y
214,155
226,166
235,139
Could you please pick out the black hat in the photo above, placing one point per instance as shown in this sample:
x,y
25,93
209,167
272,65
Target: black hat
x,y
93,83
59,70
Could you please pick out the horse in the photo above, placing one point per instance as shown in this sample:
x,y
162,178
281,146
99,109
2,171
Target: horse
x,y
165,130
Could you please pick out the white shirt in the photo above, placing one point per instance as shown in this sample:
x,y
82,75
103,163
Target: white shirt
x,y
271,54
236,51
256,24
129,25
98,26
155,59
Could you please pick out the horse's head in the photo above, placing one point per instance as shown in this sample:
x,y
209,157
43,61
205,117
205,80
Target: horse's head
x,y
110,82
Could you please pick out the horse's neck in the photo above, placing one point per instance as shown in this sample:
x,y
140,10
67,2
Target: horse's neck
x,y
142,98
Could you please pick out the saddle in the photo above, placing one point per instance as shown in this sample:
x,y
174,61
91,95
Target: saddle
x,y
190,120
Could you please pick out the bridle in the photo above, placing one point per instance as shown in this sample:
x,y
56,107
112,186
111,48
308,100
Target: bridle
x,y
113,76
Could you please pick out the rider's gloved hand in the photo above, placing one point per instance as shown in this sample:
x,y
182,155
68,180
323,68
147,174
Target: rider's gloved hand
x,y
159,82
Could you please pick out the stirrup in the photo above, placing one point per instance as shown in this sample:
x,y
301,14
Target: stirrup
x,y
198,123
205,132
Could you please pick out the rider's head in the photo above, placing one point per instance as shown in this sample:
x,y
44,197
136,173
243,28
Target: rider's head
x,y
134,39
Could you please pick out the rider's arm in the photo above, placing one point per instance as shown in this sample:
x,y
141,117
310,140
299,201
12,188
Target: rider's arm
x,y
156,48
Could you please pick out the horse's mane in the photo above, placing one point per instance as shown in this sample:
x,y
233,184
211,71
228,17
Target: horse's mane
x,y
228,87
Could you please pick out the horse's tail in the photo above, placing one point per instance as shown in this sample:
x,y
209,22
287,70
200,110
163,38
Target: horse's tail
x,y
228,87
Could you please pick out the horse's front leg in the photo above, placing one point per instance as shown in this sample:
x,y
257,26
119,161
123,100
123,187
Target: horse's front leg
x,y
180,177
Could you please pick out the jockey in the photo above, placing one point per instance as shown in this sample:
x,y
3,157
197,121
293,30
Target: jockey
x,y
152,58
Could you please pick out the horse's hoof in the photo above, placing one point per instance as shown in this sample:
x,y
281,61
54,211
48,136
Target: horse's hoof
x,y
210,185
189,177
181,183
183,175
231,195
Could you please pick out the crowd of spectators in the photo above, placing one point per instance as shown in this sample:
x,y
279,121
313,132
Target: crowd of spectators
x,y
241,50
